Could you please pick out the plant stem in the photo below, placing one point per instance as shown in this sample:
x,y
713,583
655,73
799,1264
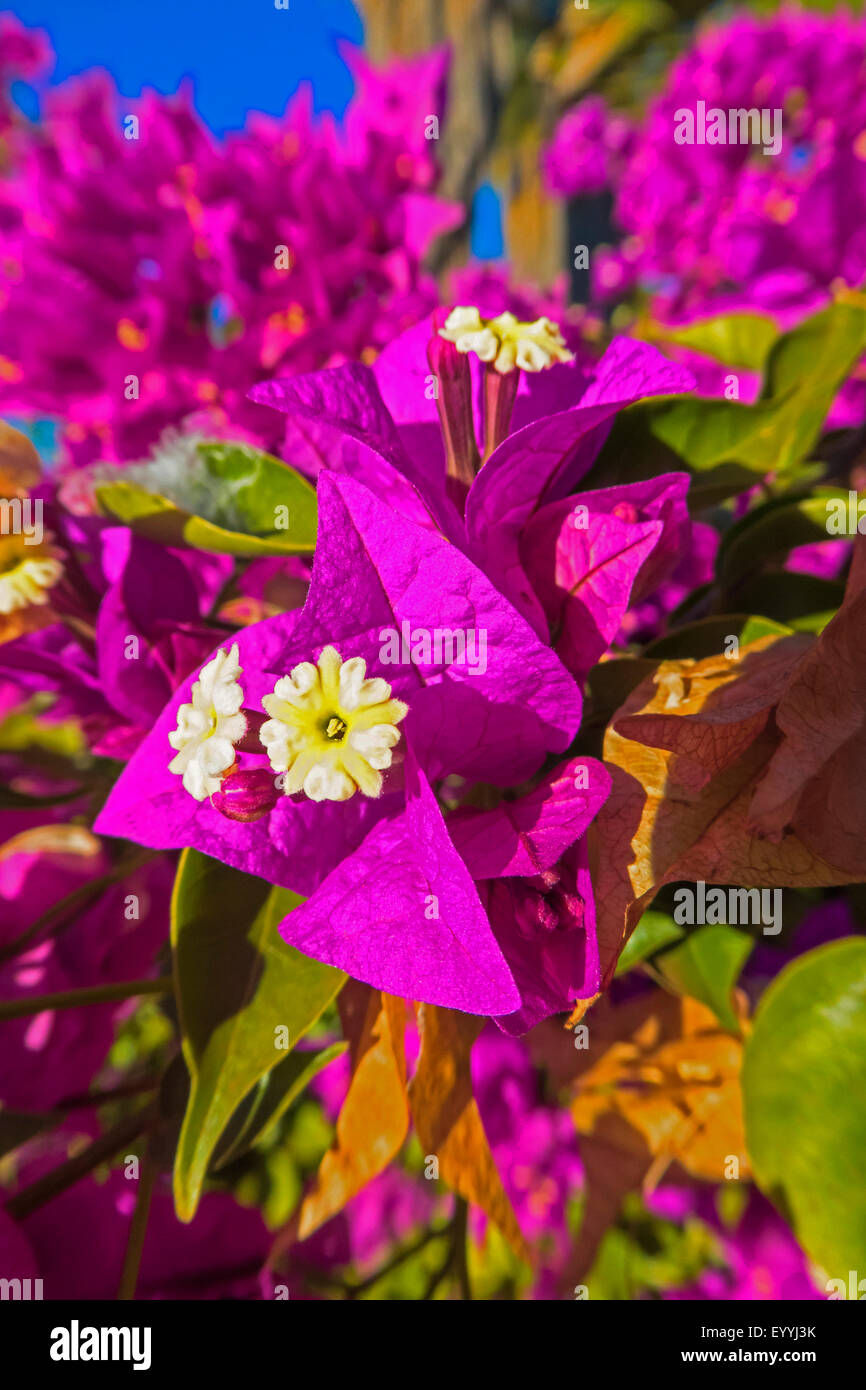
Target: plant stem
x,y
122,1092
455,1261
68,907
137,1231
461,1223
31,1198
396,1260
75,998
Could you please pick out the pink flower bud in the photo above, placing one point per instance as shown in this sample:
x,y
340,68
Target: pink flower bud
x,y
246,796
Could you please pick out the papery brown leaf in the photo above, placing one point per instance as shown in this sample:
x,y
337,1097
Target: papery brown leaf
x,y
664,820
20,468
447,1120
664,1090
709,712
374,1117
857,573
814,784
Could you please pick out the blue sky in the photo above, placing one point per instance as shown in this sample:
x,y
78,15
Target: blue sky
x,y
242,54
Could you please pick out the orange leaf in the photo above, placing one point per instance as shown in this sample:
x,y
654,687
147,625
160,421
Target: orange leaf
x,y
709,712
374,1118
447,1120
665,1089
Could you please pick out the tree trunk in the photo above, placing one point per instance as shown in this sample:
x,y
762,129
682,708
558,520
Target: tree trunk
x,y
483,68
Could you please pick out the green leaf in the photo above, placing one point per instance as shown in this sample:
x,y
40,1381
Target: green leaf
x,y
238,983
802,601
729,444
802,1088
738,340
707,636
774,529
22,731
243,488
706,966
255,484
270,1098
653,931
638,447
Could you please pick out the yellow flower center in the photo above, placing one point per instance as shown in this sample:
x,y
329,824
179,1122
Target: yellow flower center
x,y
332,731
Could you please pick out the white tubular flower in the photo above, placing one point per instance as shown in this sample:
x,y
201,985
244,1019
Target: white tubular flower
x,y
27,574
209,726
505,341
466,329
331,731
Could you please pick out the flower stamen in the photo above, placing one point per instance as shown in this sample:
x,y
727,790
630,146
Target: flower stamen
x,y
506,342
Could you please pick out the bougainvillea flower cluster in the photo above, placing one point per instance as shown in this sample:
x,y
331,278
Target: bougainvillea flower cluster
x,y
357,675
202,266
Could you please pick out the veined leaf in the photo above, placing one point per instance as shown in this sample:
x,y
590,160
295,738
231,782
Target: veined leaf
x,y
802,1082
270,1098
654,931
706,966
738,340
239,985
245,488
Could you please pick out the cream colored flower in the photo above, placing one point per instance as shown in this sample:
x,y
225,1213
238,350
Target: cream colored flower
x,y
27,574
209,726
331,731
505,341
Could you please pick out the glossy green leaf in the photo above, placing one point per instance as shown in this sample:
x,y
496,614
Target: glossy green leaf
x,y
773,529
244,488
654,931
271,1098
729,444
637,448
242,994
803,1073
737,340
802,602
708,636
706,966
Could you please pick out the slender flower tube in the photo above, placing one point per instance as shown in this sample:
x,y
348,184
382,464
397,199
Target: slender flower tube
x,y
454,403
